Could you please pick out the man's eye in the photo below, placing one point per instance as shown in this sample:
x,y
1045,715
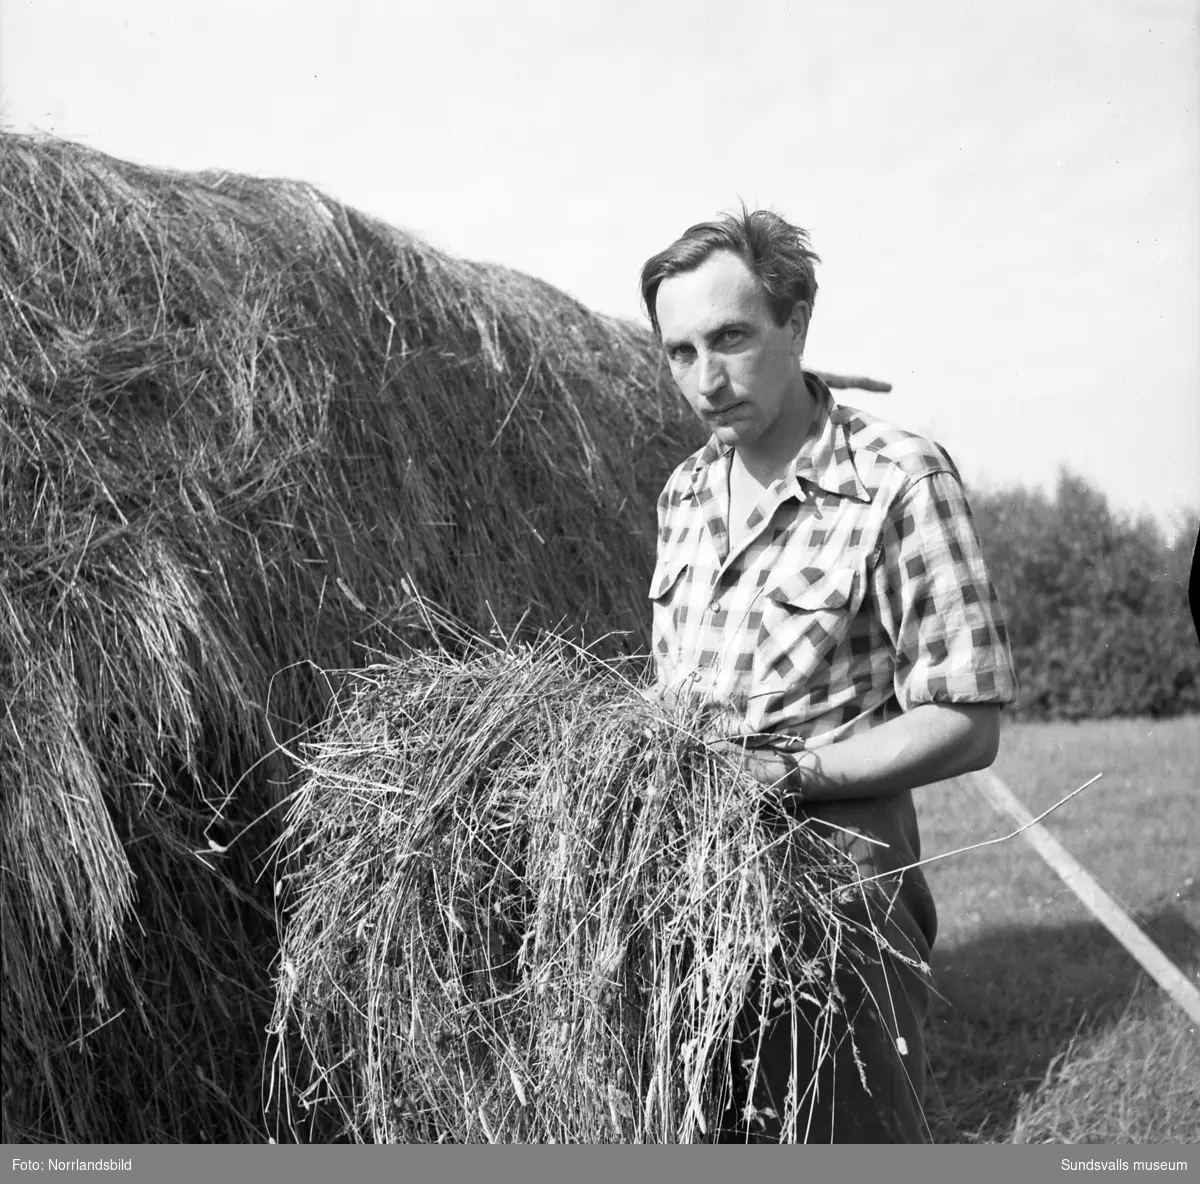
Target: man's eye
x,y
679,356
732,336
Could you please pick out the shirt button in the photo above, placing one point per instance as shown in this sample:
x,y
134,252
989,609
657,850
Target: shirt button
x,y
715,606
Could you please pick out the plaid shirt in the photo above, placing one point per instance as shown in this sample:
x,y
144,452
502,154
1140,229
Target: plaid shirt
x,y
858,591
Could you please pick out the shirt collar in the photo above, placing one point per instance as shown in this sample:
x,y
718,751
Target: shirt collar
x,y
825,459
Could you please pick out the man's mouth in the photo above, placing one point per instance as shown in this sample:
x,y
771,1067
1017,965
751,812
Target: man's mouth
x,y
723,412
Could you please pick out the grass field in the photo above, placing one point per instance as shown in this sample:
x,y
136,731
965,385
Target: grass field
x,y
1046,1029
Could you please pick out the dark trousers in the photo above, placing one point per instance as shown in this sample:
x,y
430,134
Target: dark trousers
x,y
859,1070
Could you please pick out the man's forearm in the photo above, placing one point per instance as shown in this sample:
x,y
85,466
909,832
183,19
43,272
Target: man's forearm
x,y
930,743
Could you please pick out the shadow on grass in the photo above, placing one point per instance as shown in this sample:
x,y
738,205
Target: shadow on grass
x,y
1013,1000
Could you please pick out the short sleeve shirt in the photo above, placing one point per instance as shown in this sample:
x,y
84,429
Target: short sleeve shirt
x,y
858,591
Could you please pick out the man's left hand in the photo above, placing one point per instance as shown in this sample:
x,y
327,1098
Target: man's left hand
x,y
773,769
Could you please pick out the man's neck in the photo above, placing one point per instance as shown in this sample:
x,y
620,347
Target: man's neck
x,y
767,458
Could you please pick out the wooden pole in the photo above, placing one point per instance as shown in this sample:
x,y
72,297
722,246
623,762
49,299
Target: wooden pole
x,y
844,382
1102,906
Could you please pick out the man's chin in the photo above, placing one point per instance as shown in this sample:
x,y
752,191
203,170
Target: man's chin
x,y
733,435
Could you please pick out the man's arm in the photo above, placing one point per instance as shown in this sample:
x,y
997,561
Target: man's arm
x,y
940,613
931,742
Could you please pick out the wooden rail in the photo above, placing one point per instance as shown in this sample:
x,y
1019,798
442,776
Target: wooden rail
x,y
1103,907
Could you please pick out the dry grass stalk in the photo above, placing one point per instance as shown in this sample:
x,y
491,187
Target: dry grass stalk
x,y
527,907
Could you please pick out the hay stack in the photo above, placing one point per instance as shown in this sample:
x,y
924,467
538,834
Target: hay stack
x,y
235,418
529,908
239,423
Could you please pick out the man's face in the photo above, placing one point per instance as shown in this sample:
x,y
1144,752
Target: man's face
x,y
738,369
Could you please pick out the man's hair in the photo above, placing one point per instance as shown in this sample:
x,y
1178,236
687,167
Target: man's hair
x,y
777,253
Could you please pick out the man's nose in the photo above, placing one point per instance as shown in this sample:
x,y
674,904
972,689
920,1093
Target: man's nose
x,y
710,375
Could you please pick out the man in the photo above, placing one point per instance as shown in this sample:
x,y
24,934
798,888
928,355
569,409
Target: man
x,y
820,590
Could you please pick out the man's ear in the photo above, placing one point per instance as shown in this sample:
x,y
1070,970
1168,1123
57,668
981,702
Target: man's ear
x,y
798,322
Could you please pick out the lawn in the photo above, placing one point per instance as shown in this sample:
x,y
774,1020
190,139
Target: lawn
x,y
1046,1029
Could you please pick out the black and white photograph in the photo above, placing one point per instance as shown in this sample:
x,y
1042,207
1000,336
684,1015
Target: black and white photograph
x,y
601,573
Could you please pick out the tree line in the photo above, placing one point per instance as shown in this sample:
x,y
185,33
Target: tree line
x,y
1096,602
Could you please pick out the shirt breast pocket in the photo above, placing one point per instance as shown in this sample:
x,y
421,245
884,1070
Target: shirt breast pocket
x,y
667,594
667,580
806,614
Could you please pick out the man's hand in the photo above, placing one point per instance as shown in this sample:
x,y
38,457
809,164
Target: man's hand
x,y
774,770
932,742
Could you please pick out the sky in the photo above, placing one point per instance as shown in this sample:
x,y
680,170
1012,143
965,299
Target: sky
x,y
1005,196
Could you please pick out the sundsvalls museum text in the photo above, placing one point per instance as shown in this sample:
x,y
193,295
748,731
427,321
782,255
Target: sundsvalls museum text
x,y
1124,1165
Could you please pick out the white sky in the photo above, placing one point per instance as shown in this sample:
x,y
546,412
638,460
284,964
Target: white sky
x,y
1005,196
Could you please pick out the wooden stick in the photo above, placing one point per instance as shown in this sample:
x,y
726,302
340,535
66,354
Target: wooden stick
x,y
1106,910
842,382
